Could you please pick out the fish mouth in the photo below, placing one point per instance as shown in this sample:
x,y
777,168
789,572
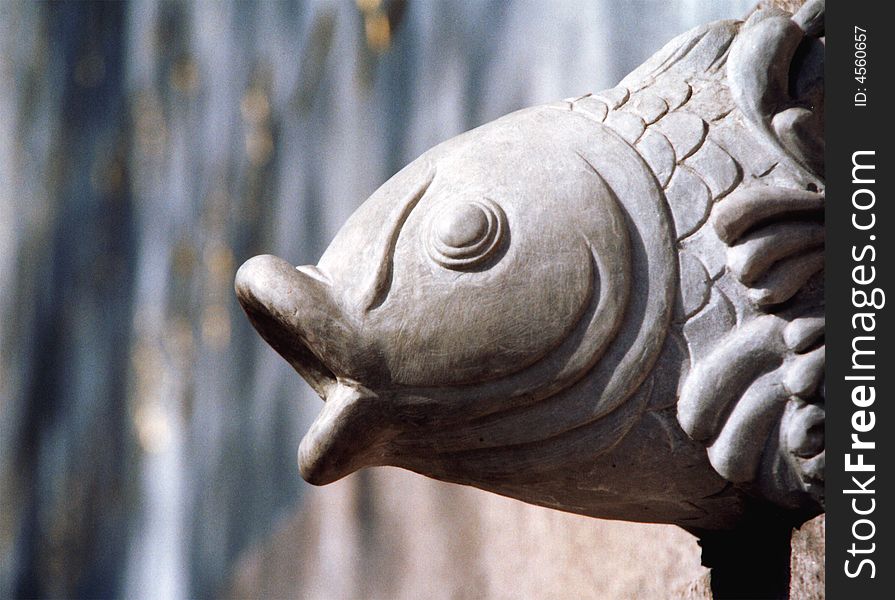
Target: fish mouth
x,y
282,301
292,309
351,432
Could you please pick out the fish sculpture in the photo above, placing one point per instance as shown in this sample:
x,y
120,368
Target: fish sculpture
x,y
610,305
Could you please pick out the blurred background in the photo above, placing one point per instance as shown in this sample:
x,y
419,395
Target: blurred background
x,y
148,148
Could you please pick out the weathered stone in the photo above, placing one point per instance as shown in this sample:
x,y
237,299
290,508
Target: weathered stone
x,y
658,153
390,535
685,131
719,171
649,106
593,107
615,97
689,199
695,285
422,538
507,311
676,93
808,555
628,125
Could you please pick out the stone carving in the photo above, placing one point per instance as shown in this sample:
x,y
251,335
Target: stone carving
x,y
610,305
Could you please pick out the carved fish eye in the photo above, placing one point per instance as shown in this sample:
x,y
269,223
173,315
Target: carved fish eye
x,y
464,235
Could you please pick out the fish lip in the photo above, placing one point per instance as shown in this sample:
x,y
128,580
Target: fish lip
x,y
348,434
265,286
293,310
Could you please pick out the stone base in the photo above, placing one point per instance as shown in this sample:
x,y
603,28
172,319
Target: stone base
x,y
390,534
387,533
808,549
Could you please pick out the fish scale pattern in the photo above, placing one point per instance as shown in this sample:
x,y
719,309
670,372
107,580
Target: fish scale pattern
x,y
694,170
750,283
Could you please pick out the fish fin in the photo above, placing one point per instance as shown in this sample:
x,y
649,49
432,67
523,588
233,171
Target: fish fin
x,y
756,398
775,73
692,54
756,402
775,238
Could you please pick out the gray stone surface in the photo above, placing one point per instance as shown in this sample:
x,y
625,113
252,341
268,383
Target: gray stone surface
x,y
509,312
808,556
388,534
391,535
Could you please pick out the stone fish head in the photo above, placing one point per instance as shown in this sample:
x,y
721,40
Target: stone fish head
x,y
502,293
610,305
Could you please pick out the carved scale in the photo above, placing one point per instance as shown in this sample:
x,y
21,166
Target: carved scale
x,y
611,305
